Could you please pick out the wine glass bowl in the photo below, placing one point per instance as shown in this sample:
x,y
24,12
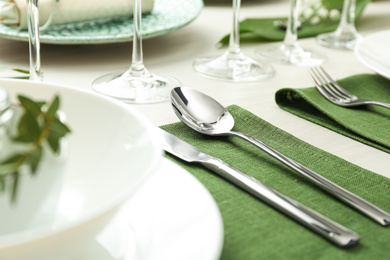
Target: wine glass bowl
x,y
137,84
233,65
346,35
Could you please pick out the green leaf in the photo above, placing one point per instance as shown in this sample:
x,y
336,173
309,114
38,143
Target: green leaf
x,y
27,77
11,164
14,190
30,106
28,128
34,158
58,126
22,71
54,143
2,185
15,69
333,4
10,73
57,131
35,126
7,168
40,103
264,30
53,108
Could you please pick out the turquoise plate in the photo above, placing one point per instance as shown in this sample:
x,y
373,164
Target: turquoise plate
x,y
166,16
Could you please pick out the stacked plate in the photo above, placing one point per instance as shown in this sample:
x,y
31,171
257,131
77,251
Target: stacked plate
x,y
120,198
373,52
166,16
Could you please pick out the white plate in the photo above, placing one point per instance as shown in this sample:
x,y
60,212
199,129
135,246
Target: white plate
x,y
111,153
166,16
374,52
172,217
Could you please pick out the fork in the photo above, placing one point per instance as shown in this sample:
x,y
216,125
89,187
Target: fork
x,y
332,91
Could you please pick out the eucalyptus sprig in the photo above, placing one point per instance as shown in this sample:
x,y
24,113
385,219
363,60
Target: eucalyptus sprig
x,y
38,124
16,73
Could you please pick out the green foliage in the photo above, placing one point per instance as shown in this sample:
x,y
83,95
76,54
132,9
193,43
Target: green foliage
x,y
264,30
39,123
22,71
10,73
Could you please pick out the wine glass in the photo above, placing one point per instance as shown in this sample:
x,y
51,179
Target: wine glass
x,y
233,65
290,52
137,84
33,36
345,36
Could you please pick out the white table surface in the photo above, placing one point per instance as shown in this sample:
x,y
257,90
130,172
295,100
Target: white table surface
x,y
173,54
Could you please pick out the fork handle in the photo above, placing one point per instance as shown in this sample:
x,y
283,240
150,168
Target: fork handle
x,y
348,197
379,103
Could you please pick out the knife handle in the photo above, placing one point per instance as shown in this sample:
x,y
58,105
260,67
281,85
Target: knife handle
x,y
322,225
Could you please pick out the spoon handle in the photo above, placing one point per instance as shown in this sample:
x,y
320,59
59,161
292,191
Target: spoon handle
x,y
348,197
322,225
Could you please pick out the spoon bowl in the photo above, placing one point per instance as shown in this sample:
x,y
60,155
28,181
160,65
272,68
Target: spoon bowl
x,y
206,116
201,112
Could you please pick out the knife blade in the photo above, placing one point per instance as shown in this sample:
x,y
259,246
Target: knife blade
x,y
313,220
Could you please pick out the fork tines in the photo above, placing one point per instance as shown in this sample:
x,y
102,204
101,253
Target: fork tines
x,y
327,86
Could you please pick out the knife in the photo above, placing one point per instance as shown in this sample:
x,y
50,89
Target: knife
x,y
318,223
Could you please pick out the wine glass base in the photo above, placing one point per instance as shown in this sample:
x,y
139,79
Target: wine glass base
x,y
150,89
339,40
233,67
291,55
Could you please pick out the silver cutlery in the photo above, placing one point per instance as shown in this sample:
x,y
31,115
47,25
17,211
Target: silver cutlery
x,y
206,116
333,92
322,225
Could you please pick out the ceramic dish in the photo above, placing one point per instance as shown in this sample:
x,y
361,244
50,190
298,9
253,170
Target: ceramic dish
x,y
172,217
374,52
166,16
111,153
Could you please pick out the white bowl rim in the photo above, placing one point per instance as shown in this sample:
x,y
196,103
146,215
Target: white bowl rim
x,y
42,232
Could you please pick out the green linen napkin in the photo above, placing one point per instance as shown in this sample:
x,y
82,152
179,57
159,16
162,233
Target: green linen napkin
x,y
367,124
254,230
264,30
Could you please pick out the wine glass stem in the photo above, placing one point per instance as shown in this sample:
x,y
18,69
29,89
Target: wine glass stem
x,y
137,67
291,36
347,21
234,40
34,45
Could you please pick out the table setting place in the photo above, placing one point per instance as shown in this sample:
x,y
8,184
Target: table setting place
x,y
194,129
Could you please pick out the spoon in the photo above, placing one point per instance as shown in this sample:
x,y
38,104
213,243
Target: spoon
x,y
206,116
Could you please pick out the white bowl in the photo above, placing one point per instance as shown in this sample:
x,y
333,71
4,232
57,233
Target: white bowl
x,y
111,153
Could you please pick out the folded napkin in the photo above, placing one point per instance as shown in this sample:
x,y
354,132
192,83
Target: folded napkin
x,y
264,29
254,230
13,12
367,124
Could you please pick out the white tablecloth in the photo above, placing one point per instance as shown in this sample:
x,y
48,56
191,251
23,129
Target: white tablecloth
x,y
173,53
